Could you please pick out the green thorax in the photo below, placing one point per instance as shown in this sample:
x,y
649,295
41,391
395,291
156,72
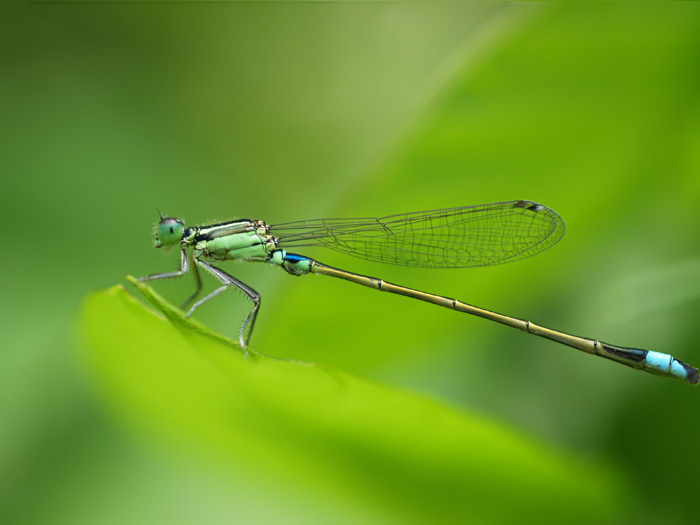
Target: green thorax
x,y
241,239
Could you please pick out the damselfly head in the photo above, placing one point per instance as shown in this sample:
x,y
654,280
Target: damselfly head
x,y
169,232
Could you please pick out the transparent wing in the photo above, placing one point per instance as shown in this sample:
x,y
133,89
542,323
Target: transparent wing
x,y
481,235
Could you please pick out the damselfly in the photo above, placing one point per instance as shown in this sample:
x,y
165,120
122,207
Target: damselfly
x,y
461,237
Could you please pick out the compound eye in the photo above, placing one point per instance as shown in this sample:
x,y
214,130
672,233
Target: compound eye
x,y
169,232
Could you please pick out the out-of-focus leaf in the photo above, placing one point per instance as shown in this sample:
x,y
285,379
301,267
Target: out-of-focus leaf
x,y
378,452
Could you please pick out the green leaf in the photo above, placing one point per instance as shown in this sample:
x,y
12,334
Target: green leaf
x,y
370,451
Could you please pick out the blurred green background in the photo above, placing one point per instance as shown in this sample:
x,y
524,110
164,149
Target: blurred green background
x,y
289,111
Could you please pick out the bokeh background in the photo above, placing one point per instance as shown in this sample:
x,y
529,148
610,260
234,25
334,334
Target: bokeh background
x,y
289,111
